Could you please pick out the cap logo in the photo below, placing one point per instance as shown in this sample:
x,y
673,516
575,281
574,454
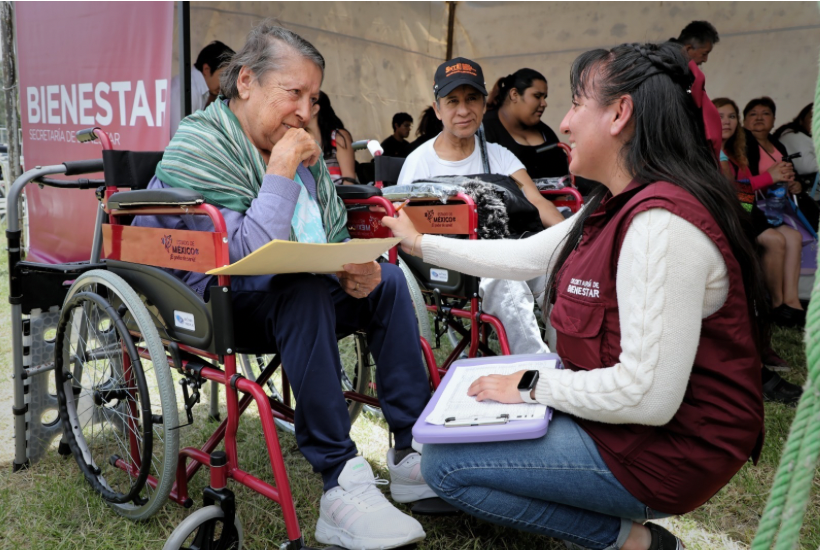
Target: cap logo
x,y
460,68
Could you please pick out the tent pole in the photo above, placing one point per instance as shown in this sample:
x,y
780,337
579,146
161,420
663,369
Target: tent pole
x,y
451,22
184,12
10,87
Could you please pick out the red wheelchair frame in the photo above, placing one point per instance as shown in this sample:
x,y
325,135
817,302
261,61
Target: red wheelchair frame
x,y
462,209
143,246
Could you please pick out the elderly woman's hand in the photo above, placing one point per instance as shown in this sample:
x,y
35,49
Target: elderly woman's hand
x,y
359,280
295,146
403,228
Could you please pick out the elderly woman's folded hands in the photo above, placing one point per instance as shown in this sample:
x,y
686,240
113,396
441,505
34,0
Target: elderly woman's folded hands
x,y
295,146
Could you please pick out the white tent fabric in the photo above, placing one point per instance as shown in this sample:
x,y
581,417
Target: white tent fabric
x,y
381,56
765,48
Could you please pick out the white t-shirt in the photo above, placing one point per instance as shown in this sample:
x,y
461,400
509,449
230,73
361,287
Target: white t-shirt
x,y
425,163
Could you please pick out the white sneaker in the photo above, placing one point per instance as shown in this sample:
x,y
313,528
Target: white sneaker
x,y
406,481
357,516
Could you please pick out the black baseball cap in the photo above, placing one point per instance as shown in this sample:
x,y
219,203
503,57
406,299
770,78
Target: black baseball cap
x,y
458,72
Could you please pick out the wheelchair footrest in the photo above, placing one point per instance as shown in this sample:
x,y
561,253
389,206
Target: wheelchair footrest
x,y
434,507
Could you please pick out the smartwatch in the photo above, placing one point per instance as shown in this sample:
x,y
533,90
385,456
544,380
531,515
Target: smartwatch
x,y
527,384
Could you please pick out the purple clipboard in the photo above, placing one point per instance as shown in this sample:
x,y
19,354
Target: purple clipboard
x,y
513,430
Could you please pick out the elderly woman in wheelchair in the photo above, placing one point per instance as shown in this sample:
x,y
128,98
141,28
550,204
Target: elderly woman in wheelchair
x,y
249,155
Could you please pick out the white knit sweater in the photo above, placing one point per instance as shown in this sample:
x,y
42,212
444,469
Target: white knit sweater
x,y
670,277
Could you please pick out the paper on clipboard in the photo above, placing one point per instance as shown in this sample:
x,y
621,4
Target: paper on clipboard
x,y
455,403
293,257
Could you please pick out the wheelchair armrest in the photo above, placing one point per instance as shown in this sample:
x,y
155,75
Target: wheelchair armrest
x,y
155,197
357,191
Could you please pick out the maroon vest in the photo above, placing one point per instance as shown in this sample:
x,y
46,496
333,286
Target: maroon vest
x,y
676,467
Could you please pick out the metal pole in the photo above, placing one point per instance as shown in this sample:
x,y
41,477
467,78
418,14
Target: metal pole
x,y
10,88
451,23
184,12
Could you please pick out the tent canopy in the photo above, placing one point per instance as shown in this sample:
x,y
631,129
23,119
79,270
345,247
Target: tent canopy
x,y
381,56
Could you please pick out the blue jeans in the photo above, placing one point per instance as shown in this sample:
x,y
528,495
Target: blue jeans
x,y
557,485
300,315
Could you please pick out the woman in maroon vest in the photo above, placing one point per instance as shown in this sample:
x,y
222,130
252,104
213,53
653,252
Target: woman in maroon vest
x,y
654,290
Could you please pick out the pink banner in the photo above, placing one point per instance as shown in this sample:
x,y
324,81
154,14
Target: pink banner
x,y
87,64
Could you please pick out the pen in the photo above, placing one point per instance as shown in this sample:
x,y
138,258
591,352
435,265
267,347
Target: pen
x,y
402,205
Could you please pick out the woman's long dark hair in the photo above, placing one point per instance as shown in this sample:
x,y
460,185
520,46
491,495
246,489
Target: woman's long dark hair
x,y
328,121
520,80
668,144
429,124
796,125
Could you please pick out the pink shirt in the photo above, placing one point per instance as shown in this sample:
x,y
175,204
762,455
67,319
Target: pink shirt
x,y
767,160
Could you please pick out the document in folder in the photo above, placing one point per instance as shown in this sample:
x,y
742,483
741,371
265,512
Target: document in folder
x,y
292,257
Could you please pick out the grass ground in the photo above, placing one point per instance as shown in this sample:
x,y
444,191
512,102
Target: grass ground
x,y
51,506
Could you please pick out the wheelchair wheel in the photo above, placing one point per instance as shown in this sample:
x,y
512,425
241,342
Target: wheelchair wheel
x,y
422,316
204,530
117,406
252,366
356,365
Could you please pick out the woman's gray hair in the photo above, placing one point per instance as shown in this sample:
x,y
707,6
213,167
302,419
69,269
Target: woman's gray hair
x,y
267,46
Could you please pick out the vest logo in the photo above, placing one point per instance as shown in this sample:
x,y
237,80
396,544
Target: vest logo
x,y
181,250
588,288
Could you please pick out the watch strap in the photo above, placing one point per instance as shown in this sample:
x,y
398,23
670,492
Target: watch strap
x,y
525,396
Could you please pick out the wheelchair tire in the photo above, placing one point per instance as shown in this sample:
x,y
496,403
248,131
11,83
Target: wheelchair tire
x,y
419,305
200,529
93,348
355,375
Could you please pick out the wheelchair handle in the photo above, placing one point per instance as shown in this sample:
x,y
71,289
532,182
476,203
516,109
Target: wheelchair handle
x,y
90,134
76,167
16,191
370,144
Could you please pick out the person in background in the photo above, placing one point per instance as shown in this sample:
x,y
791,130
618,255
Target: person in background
x,y
765,155
429,127
655,289
459,95
204,80
796,137
772,241
397,144
336,142
513,119
697,39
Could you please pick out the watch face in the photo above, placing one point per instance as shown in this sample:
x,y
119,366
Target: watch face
x,y
528,380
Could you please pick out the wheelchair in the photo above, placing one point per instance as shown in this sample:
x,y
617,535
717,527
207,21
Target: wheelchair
x,y
452,297
123,333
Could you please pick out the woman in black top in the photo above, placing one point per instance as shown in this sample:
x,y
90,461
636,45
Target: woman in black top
x,y
513,120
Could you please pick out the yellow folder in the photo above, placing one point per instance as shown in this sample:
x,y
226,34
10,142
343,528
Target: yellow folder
x,y
293,257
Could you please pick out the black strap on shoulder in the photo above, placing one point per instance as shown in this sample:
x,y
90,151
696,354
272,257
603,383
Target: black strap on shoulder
x,y
482,145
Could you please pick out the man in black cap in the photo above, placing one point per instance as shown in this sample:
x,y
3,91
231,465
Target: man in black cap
x,y
460,97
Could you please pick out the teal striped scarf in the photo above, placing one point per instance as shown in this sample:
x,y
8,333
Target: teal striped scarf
x,y
211,154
